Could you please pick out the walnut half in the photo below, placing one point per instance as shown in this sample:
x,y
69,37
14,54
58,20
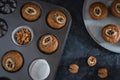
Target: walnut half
x,y
97,11
110,32
74,68
117,7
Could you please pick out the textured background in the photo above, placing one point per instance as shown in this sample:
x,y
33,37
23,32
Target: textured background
x,y
80,46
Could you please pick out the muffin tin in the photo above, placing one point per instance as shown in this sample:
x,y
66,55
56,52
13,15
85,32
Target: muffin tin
x,y
12,21
94,27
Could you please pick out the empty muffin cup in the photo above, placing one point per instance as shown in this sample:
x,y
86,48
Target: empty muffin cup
x,y
12,61
7,6
39,69
3,27
22,35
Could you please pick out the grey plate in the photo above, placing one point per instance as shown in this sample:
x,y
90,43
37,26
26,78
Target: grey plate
x,y
94,26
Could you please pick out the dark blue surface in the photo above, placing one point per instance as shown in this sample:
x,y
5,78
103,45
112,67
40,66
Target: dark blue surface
x,y
80,46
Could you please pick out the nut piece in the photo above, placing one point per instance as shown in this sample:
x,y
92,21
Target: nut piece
x,y
97,11
102,73
59,19
47,40
92,61
10,64
30,11
110,32
74,68
118,7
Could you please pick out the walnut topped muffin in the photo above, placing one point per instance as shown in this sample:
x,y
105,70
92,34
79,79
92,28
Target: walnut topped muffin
x,y
31,11
98,11
115,8
111,33
48,43
12,61
56,19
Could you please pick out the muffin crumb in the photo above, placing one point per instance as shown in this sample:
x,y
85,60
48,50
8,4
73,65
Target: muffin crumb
x,y
73,68
92,61
102,72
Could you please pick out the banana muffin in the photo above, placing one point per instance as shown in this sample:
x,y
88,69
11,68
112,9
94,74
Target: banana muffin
x,y
115,8
98,11
30,11
12,61
56,19
111,33
48,43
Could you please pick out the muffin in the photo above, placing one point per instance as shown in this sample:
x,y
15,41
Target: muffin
x,y
73,68
115,8
31,11
98,11
56,19
12,61
22,35
111,33
103,73
92,61
48,43
3,27
7,6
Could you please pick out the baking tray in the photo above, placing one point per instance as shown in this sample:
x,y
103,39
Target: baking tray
x,y
39,27
94,26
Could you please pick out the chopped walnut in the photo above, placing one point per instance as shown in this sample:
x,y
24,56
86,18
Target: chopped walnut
x,y
23,36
